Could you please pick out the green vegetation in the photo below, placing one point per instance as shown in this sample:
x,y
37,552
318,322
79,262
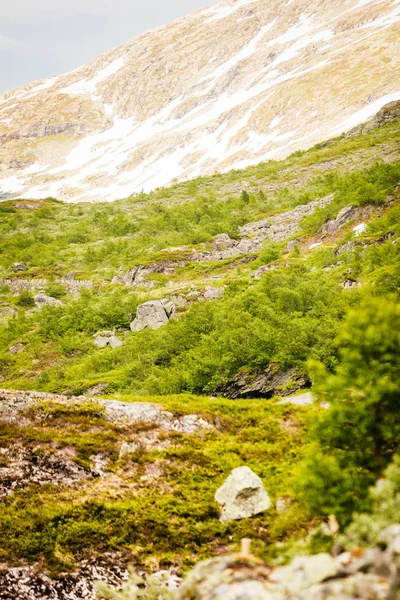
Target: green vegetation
x,y
358,436
157,505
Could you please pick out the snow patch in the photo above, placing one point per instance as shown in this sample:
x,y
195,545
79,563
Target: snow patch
x,y
366,113
88,86
359,229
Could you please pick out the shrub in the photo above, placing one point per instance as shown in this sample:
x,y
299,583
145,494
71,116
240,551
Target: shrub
x,y
25,299
358,436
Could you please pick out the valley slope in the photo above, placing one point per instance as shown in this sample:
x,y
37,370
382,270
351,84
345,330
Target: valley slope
x,y
225,87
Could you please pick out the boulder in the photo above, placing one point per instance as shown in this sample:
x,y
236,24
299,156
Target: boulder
x,y
242,496
290,246
128,448
106,338
17,349
223,242
42,300
152,315
19,267
347,214
213,293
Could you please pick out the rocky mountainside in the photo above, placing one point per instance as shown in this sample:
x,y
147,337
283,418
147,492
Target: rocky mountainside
x,y
225,87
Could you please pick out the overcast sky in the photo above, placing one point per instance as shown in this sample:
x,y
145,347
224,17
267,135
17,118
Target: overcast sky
x,y
39,38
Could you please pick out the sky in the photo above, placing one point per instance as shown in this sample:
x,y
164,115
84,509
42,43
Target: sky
x,y
40,38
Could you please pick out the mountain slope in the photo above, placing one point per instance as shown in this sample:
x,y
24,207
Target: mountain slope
x,y
225,87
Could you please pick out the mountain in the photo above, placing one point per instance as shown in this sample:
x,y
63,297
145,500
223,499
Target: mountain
x,y
225,87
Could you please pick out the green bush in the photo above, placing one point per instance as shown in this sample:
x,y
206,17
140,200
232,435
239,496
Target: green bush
x,y
25,299
358,436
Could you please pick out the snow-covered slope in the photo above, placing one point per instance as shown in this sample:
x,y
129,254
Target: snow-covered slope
x,y
225,87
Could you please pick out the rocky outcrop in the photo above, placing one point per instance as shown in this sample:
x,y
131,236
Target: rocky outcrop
x,y
106,338
13,404
152,315
20,467
72,285
242,496
42,300
30,583
263,384
369,574
19,267
347,214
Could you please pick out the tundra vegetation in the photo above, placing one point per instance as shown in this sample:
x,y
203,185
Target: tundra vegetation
x,y
156,506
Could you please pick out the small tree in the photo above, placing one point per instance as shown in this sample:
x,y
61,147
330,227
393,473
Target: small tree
x,y
359,434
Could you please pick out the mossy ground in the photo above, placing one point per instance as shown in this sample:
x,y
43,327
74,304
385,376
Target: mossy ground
x,y
155,506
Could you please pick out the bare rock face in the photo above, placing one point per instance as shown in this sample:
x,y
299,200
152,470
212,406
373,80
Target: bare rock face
x,y
242,496
263,383
347,214
152,315
227,86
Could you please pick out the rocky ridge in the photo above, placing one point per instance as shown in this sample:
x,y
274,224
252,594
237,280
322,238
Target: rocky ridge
x,y
225,87
368,573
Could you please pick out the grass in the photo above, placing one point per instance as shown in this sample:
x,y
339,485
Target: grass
x,y
171,519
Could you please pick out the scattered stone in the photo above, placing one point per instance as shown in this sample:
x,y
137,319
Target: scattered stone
x,y
128,448
369,574
283,504
152,315
264,269
349,284
13,403
213,293
21,467
2,378
17,349
97,390
106,338
347,214
347,247
42,300
306,571
223,242
242,496
18,267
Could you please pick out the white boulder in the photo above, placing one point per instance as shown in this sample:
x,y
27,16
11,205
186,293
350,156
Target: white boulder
x,y
242,496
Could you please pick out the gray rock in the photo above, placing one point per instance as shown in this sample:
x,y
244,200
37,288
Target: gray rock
x,y
106,338
223,242
17,349
290,246
347,214
19,267
214,293
305,571
98,389
152,315
283,504
264,269
242,496
42,300
2,378
128,448
301,400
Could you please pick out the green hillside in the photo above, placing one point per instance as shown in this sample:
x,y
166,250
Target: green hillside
x,y
313,304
